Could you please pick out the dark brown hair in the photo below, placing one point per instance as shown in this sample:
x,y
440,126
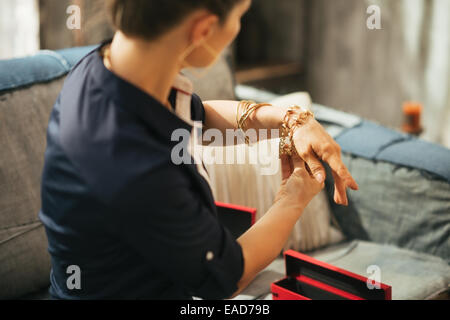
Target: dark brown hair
x,y
149,19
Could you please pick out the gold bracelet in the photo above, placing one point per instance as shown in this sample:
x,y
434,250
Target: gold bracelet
x,y
249,108
239,109
249,111
245,104
287,146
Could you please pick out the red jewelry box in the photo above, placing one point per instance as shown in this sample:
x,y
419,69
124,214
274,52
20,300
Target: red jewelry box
x,y
237,219
310,279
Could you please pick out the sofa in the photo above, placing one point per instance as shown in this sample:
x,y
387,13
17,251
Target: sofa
x,y
398,221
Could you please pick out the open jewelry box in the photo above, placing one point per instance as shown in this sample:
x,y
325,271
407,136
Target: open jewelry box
x,y
306,278
310,279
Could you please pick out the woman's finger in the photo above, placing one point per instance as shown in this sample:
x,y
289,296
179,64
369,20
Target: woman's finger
x,y
342,172
298,163
316,168
340,190
286,167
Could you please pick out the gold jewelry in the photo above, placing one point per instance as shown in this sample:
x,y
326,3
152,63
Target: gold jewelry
x,y
194,71
249,107
245,105
213,52
294,118
187,52
240,120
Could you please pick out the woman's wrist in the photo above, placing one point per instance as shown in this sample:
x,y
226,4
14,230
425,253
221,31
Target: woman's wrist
x,y
269,117
285,120
289,202
264,116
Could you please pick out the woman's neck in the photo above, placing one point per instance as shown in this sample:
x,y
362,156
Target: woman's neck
x,y
152,67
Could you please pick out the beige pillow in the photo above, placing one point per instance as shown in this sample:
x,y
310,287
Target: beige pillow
x,y
256,184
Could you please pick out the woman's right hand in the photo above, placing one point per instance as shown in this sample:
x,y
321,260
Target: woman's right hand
x,y
262,243
298,186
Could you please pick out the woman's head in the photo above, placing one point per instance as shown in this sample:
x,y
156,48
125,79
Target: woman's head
x,y
204,24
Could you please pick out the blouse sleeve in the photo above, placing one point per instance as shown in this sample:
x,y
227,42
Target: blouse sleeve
x,y
164,219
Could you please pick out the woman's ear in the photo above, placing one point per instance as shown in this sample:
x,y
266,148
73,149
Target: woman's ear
x,y
203,27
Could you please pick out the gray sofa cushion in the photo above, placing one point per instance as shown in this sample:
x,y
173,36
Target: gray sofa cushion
x,y
25,262
412,275
23,127
396,205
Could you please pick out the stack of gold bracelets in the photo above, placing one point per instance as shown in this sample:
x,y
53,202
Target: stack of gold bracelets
x,y
294,118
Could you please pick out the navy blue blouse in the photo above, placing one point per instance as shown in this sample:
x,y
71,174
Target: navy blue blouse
x,y
136,225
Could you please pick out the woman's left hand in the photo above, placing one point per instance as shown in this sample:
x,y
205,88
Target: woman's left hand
x,y
314,144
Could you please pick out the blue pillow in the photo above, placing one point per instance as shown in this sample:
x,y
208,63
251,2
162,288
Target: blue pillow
x,y
45,66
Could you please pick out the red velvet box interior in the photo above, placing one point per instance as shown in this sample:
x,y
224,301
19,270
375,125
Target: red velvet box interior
x,y
310,279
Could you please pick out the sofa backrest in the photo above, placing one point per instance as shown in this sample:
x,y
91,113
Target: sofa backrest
x,y
28,89
24,115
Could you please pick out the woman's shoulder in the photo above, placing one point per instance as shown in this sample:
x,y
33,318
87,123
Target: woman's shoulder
x,y
107,147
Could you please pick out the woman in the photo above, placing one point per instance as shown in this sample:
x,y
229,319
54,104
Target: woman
x,y
123,220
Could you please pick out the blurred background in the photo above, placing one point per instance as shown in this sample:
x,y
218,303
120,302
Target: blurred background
x,y
320,46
